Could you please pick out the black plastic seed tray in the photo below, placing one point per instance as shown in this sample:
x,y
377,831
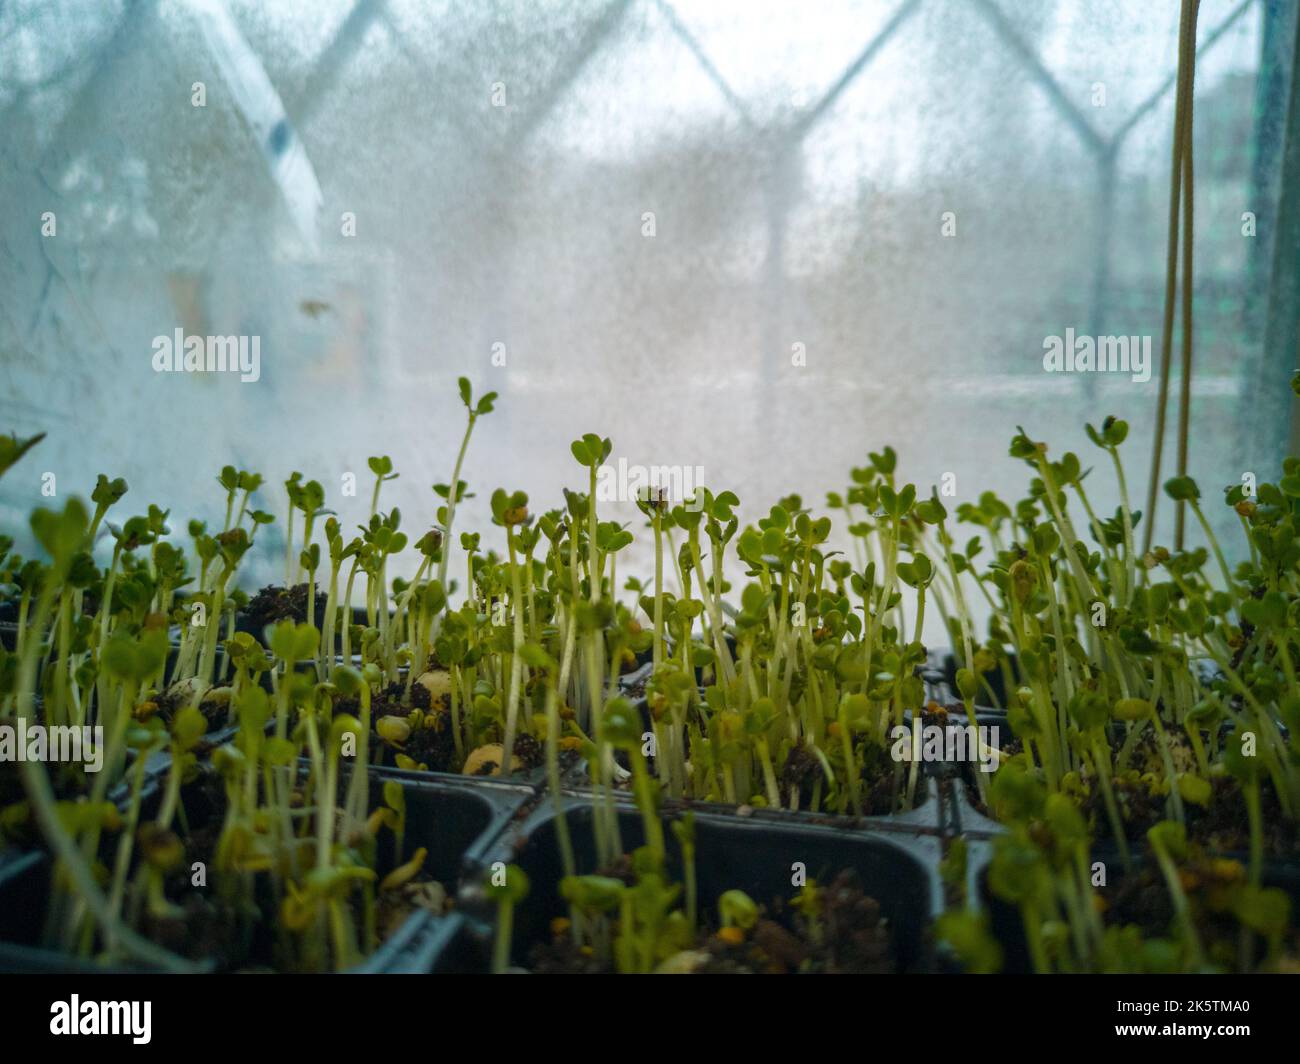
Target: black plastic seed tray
x,y
758,855
455,821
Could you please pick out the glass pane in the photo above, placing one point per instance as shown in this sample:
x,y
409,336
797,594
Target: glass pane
x,y
649,212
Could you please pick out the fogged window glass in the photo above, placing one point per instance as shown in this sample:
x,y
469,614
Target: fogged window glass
x,y
761,238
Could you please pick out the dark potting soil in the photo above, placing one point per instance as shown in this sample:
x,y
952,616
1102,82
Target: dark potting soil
x,y
433,745
850,936
636,691
215,711
1142,899
530,751
1221,827
421,697
802,769
276,603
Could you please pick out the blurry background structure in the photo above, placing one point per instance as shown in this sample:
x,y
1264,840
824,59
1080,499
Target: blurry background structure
x,y
651,209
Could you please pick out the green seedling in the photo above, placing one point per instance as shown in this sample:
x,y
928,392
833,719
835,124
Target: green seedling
x,y
508,892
